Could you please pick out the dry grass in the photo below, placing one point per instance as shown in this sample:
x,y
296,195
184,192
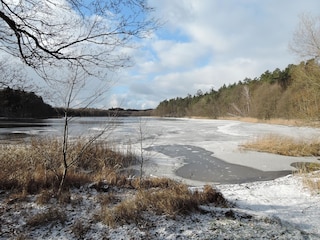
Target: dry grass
x,y
283,145
152,183
292,147
37,166
310,174
312,181
36,169
171,200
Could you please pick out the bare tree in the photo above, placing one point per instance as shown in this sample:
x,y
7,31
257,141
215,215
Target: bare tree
x,y
306,38
306,44
70,42
69,89
89,34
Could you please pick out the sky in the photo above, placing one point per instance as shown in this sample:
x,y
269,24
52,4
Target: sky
x,y
202,45
205,44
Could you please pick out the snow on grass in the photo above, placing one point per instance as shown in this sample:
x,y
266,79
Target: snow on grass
x,y
278,209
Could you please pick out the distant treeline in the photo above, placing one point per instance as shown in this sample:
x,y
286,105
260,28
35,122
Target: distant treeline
x,y
290,93
22,104
112,112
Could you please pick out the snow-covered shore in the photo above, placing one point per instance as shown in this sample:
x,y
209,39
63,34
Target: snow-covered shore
x,y
277,209
285,199
282,208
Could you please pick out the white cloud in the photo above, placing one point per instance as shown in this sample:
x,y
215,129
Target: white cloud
x,y
209,43
205,44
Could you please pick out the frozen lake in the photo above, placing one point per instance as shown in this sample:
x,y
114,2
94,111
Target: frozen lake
x,y
195,151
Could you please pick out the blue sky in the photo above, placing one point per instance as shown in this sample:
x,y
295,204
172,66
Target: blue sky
x,y
205,44
202,44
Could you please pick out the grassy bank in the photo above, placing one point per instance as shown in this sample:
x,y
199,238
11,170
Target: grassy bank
x,y
35,166
30,176
284,145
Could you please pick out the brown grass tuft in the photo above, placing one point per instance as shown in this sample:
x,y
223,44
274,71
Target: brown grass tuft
x,y
284,146
125,212
174,200
147,183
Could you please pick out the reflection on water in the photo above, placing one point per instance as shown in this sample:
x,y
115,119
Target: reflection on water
x,y
23,129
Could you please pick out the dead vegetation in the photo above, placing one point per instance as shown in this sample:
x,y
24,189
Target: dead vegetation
x,y
289,146
284,145
38,166
172,200
51,215
30,176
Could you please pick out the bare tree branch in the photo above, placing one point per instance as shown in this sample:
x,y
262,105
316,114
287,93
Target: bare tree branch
x,y
89,34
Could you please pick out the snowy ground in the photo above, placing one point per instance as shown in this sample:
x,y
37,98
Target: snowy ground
x,y
277,209
285,198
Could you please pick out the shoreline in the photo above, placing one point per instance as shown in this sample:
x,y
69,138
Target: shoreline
x,y
275,121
